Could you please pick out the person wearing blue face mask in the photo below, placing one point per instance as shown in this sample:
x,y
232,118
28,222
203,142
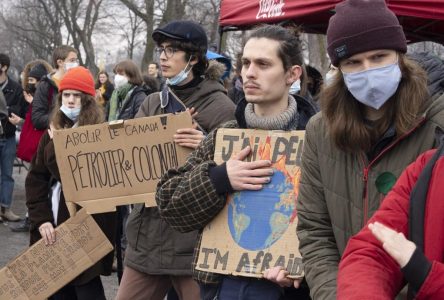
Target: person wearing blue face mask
x,y
63,58
377,117
75,106
158,257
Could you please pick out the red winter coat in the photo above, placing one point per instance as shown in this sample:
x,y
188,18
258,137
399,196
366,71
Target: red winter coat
x,y
366,271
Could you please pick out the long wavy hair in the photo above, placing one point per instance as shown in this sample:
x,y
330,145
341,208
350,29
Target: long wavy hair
x,y
345,116
90,113
98,84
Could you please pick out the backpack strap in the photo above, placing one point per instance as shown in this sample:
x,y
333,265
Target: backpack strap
x,y
418,196
169,102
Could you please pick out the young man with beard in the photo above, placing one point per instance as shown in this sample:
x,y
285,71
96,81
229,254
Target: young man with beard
x,y
157,256
16,104
192,196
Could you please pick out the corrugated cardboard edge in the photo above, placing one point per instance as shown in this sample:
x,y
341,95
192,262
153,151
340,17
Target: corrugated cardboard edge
x,y
234,131
95,255
109,204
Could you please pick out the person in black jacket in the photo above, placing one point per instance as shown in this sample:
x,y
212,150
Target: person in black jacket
x,y
434,66
63,59
129,92
16,104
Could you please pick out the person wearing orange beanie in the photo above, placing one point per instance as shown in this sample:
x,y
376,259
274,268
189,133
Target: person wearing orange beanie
x,y
75,106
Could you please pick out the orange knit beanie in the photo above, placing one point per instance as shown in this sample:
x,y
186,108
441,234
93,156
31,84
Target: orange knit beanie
x,y
79,79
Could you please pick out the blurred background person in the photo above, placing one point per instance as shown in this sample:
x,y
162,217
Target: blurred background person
x,y
104,88
29,137
151,83
129,92
13,94
63,58
153,71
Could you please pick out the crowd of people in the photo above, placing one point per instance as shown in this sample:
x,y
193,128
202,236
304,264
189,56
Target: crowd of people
x,y
369,215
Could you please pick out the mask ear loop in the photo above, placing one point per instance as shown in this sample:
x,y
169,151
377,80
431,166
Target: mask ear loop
x,y
188,63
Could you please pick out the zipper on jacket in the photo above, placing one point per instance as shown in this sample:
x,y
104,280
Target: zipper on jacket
x,y
367,168
365,196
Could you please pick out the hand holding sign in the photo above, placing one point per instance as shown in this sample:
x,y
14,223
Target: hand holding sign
x,y
188,137
248,175
279,275
48,233
51,130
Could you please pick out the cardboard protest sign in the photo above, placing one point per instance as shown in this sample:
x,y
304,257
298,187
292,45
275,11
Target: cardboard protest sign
x,y
105,165
42,270
257,229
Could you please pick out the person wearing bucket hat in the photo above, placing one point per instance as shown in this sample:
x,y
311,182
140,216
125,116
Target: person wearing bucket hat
x,y
75,106
158,257
377,117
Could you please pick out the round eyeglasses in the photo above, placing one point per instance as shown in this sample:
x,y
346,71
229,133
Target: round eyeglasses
x,y
169,51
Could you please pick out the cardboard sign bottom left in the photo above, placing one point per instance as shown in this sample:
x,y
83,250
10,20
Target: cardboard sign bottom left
x,y
42,270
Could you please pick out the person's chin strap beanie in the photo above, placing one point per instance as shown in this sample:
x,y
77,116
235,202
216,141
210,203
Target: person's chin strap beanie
x,y
80,79
363,25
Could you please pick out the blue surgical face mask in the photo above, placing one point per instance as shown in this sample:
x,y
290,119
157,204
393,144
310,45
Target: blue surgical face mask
x,y
179,78
374,87
295,87
72,113
70,65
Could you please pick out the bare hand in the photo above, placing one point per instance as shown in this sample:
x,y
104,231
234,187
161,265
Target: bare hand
x,y
279,275
14,119
188,137
394,243
51,130
192,112
48,233
28,97
248,175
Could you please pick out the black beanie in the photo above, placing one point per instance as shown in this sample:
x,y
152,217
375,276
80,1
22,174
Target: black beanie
x,y
363,25
38,71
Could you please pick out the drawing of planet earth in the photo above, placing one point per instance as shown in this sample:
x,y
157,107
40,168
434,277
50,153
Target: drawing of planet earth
x,y
257,219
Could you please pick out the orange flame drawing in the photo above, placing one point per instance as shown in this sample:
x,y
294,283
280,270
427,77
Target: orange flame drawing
x,y
264,152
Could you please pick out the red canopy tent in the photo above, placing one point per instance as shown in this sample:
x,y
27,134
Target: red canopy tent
x,y
422,20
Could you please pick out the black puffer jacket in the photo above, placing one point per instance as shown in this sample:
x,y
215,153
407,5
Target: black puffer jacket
x,y
131,107
434,66
40,104
16,104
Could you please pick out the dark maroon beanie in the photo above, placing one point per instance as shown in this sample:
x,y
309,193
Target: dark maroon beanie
x,y
363,25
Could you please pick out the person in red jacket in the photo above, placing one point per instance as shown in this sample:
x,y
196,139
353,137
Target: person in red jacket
x,y
379,260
